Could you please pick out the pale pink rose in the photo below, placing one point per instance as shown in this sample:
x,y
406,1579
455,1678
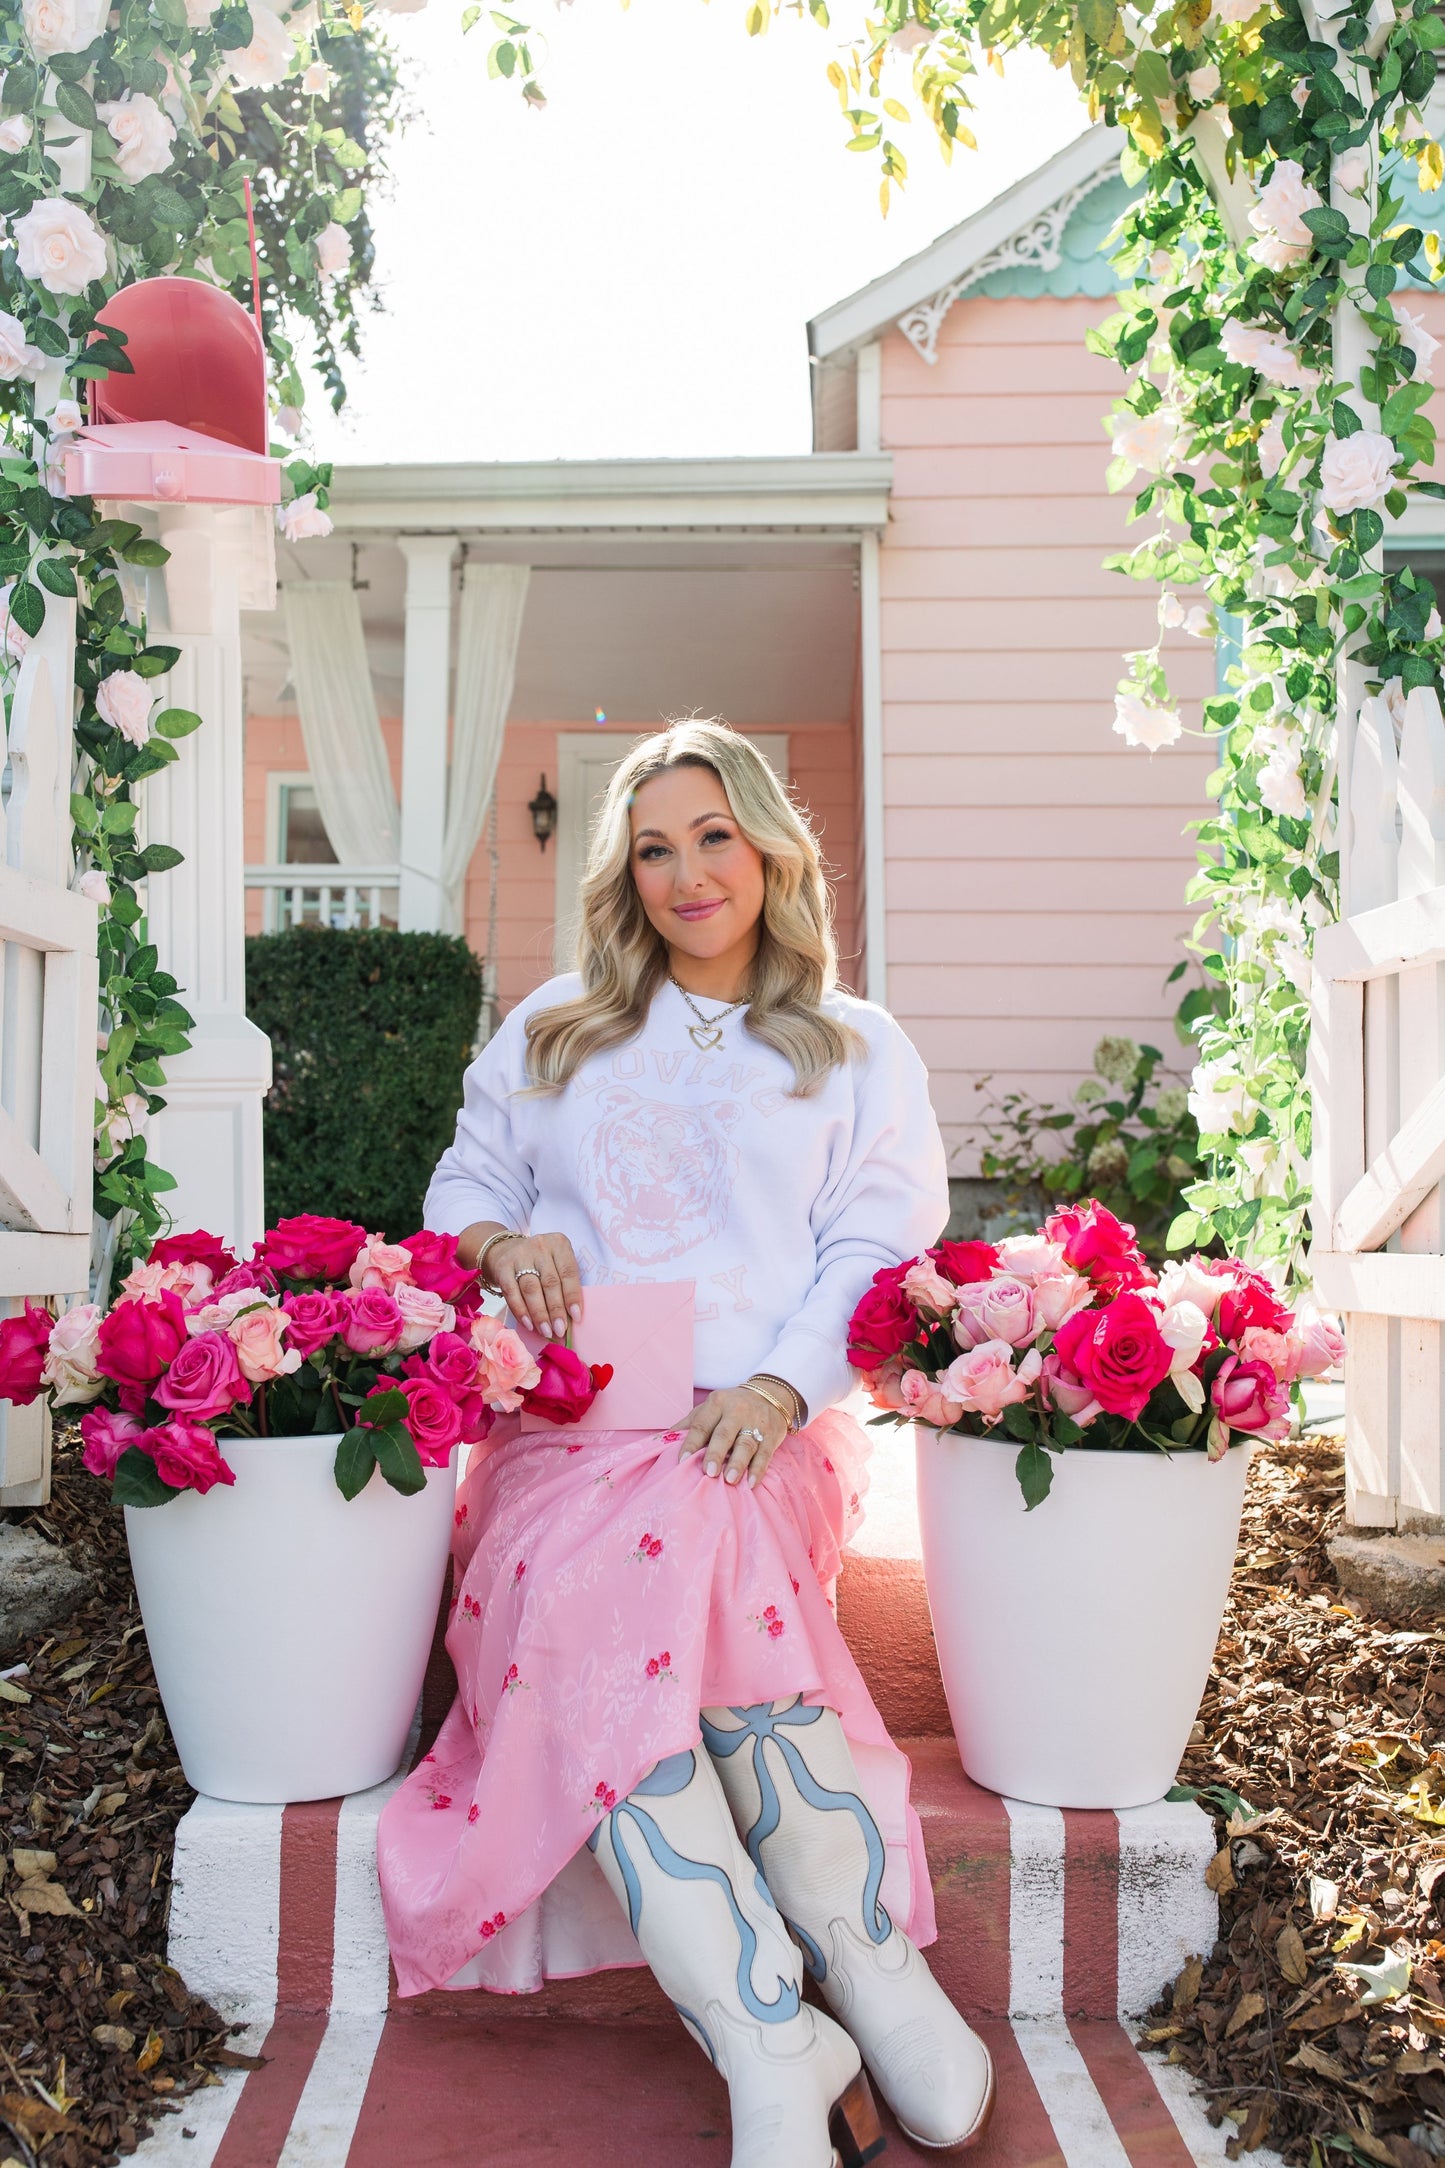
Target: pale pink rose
x,y
333,250
219,1314
317,80
424,1315
925,1402
928,1289
1283,201
263,63
1031,1257
59,245
379,1263
985,1382
1068,1393
505,1369
1357,473
1321,1343
125,700
142,134
998,1309
70,1362
15,132
94,887
302,520
1262,1344
1200,1280
884,1385
1057,1295
257,1338
1143,722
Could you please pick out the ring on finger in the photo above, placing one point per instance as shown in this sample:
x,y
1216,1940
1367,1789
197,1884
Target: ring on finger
x,y
755,1435
526,1272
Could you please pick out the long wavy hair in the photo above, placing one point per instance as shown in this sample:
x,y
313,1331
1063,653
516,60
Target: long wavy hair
x,y
623,958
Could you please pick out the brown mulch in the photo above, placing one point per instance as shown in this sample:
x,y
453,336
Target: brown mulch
x,y
98,2035
1328,1724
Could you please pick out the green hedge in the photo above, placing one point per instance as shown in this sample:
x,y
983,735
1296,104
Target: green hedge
x,y
370,1033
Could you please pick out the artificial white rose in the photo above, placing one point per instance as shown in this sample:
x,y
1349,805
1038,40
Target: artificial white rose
x,y
1357,473
1282,790
94,885
142,134
1218,1097
1433,626
13,349
1277,255
302,520
333,250
15,132
1161,264
1235,11
1203,83
1140,721
414,7
1352,170
125,700
1271,446
60,245
288,421
1199,624
1422,343
1151,441
263,63
63,26
1301,93
1241,342
1257,1155
1294,964
1283,201
66,416
1171,611
317,80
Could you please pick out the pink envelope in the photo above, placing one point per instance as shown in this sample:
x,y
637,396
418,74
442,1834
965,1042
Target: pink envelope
x,y
645,1332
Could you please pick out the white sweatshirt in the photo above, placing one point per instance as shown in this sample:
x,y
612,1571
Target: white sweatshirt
x,y
662,1163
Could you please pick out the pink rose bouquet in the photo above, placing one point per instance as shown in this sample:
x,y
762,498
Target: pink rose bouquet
x,y
1067,1337
325,1328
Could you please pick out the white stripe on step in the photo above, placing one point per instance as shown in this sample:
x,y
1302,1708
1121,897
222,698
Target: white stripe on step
x,y
1036,1910
1176,2090
326,2114
1082,2129
360,1967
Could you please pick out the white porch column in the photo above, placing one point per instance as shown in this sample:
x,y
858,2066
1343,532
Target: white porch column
x,y
209,1135
425,705
870,605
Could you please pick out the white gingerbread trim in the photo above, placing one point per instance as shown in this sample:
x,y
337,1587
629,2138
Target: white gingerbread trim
x,y
1037,246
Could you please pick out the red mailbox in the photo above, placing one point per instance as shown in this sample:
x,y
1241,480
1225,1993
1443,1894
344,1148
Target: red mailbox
x,y
190,425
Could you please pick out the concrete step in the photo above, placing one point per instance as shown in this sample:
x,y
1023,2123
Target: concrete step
x,y
1041,1913
376,2092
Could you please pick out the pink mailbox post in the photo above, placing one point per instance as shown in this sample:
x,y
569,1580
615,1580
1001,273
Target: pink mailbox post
x,y
185,437
189,427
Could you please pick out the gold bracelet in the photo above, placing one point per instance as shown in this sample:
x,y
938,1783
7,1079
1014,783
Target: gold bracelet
x,y
789,1421
503,1234
800,1405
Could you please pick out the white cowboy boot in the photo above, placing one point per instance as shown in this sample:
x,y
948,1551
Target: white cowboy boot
x,y
714,1939
790,1780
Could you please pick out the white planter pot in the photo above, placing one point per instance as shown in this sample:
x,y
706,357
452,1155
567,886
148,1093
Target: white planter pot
x,y
289,1627
1075,1640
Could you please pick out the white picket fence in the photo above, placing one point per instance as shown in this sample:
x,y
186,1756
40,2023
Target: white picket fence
x,y
340,896
47,1026
1377,1072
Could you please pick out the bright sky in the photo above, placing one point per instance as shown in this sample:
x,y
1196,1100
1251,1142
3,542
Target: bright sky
x,y
629,271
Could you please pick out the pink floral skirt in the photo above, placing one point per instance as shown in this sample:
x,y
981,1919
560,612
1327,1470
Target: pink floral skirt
x,y
605,1592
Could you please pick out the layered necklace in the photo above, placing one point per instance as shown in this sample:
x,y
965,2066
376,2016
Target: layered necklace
x,y
706,1033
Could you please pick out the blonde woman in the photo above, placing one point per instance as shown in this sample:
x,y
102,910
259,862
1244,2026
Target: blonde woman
x,y
654,1697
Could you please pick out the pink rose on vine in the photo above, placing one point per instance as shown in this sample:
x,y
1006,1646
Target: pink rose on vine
x,y
660,1667
493,1926
648,1546
603,1800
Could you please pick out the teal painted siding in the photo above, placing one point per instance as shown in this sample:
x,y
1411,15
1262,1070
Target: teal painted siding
x,y
1083,268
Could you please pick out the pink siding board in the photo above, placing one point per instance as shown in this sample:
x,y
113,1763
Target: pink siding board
x,y
1074,417
1008,675
1000,520
1103,885
987,985
990,776
1022,836
1047,464
926,575
936,728
1071,935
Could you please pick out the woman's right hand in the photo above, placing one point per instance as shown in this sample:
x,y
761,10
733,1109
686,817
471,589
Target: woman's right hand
x,y
538,1280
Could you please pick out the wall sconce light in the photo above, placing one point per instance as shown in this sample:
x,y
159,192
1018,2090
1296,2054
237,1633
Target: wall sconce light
x,y
543,809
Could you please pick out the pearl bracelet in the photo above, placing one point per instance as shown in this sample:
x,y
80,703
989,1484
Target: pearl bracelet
x,y
503,1234
790,1417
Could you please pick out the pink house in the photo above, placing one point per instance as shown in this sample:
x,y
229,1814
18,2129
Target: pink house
x,y
912,619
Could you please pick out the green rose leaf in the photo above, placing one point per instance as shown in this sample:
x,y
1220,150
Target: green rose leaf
x,y
138,1482
1035,1472
176,722
399,1459
54,573
355,1460
27,607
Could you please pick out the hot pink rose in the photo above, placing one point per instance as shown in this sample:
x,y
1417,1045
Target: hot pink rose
x,y
379,1263
424,1314
199,1248
884,1321
924,1402
371,1322
451,1362
1249,1397
1119,1351
313,1319
106,1436
310,1247
998,1309
138,1340
1068,1392
1097,1244
434,1264
24,1341
506,1370
965,1262
205,1379
434,1420
246,1279
1320,1342
565,1389
186,1456
984,1381
1250,1301
258,1338
927,1289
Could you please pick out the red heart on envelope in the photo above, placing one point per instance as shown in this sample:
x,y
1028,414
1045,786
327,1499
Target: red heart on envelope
x,y
602,1376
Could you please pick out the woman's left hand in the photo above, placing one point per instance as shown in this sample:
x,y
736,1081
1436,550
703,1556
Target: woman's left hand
x,y
737,1428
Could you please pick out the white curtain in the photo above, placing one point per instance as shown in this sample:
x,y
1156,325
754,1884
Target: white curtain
x,y
345,751
493,599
